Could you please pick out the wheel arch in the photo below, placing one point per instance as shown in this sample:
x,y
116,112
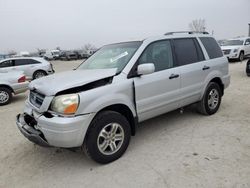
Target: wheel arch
x,y
219,82
125,111
7,86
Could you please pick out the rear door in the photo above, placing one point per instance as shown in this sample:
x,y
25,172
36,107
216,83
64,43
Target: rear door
x,y
26,65
159,92
189,57
216,61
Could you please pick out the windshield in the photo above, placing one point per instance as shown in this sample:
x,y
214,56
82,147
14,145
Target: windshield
x,y
111,56
232,43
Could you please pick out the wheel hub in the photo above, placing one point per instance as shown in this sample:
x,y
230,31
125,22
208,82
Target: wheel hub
x,y
4,96
213,99
110,139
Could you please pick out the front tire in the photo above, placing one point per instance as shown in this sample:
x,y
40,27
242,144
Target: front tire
x,y
5,96
211,100
108,137
241,56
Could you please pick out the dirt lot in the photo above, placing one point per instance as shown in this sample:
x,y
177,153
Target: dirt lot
x,y
173,150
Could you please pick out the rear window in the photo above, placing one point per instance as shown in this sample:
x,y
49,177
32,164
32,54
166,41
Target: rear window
x,y
212,47
187,51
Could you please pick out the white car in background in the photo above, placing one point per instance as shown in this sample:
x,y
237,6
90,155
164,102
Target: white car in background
x,y
236,48
13,82
33,67
52,54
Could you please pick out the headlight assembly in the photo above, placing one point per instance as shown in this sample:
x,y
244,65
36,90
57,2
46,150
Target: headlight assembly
x,y
65,104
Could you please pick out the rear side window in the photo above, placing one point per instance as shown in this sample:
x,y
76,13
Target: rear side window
x,y
187,51
19,62
212,47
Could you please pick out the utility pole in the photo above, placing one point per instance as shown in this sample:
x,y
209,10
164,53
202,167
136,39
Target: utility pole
x,y
249,30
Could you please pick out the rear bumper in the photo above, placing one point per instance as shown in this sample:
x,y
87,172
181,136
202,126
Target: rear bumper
x,y
20,87
226,81
50,71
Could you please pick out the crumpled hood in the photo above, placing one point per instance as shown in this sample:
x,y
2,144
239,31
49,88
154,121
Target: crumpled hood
x,y
229,47
50,85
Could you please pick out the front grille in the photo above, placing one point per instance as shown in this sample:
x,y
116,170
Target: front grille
x,y
36,98
226,52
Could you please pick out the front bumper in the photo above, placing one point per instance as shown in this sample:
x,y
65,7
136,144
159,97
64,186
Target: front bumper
x,y
29,132
233,55
66,132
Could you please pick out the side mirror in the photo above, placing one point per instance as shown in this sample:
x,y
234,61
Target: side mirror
x,y
247,43
144,69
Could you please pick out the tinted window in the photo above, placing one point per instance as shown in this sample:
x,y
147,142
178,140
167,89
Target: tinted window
x,y
32,61
160,54
8,63
187,51
19,62
248,40
211,47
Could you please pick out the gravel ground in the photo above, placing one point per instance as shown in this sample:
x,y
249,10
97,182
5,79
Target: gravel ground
x,y
173,150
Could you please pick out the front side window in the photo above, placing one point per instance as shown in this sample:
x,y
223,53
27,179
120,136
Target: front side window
x,y
111,56
211,46
8,63
187,51
247,42
160,54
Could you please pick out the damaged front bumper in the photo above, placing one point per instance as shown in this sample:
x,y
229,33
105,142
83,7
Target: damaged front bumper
x,y
30,132
65,132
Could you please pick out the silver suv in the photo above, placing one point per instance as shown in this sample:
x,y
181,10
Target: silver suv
x,y
33,67
99,105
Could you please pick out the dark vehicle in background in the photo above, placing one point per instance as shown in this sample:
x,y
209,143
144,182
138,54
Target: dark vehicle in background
x,y
248,68
68,55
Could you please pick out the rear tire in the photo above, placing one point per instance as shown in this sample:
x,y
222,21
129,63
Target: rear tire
x,y
108,137
5,96
211,100
39,74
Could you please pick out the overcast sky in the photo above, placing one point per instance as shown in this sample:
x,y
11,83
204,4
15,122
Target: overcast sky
x,y
29,24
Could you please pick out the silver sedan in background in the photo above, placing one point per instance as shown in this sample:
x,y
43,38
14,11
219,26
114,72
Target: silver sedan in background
x,y
32,67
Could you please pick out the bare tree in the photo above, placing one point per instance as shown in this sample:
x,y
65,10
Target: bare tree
x,y
198,25
12,53
87,47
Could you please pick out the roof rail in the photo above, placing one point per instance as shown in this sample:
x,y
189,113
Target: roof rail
x,y
187,32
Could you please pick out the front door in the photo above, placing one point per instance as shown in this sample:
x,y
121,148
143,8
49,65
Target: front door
x,y
159,92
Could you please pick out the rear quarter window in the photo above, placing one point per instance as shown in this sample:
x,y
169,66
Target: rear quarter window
x,y
212,47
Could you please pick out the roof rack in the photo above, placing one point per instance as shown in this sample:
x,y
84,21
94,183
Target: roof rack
x,y
188,32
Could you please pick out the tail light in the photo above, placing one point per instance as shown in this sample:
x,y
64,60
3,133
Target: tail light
x,y
22,79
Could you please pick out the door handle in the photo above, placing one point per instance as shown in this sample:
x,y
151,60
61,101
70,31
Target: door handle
x,y
172,76
205,67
